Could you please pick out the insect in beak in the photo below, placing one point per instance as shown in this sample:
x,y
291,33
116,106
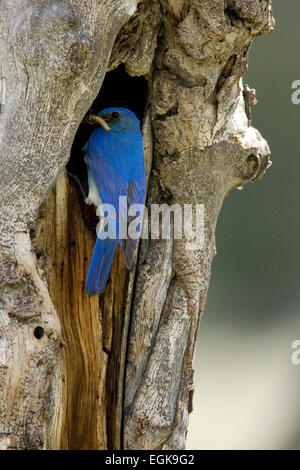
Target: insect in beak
x,y
99,120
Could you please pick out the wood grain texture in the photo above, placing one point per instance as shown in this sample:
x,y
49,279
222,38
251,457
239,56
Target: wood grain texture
x,y
92,328
64,245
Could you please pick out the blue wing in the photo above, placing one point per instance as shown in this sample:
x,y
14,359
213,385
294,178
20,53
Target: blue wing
x,y
136,195
117,164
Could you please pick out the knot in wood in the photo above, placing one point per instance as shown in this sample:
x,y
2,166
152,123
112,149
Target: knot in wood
x,y
79,55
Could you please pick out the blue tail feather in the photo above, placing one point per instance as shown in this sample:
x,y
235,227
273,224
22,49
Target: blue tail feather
x,y
100,265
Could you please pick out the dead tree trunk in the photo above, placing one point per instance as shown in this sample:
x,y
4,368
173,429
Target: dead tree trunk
x,y
76,373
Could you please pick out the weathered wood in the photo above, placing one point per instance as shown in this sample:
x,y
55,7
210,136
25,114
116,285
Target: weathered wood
x,y
64,248
203,148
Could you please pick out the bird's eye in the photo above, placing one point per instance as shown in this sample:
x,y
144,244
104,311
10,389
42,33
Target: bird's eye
x,y
115,114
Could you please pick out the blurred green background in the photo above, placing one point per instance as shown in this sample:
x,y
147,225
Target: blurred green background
x,y
246,388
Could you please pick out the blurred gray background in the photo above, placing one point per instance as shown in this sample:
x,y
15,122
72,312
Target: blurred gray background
x,y
247,391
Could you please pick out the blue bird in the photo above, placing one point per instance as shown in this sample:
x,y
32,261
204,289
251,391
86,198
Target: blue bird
x,y
115,161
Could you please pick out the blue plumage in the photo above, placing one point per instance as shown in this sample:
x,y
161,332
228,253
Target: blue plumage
x,y
115,163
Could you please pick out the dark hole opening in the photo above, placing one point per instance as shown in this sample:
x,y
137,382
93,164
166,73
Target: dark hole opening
x,y
118,89
39,332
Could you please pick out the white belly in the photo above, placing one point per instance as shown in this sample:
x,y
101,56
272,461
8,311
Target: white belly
x,y
93,196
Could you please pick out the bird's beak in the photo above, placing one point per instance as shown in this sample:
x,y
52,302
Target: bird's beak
x,y
99,120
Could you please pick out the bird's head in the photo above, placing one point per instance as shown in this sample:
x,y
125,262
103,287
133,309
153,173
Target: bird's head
x,y
116,119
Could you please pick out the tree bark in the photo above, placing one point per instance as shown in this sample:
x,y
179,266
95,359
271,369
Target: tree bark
x,y
76,373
